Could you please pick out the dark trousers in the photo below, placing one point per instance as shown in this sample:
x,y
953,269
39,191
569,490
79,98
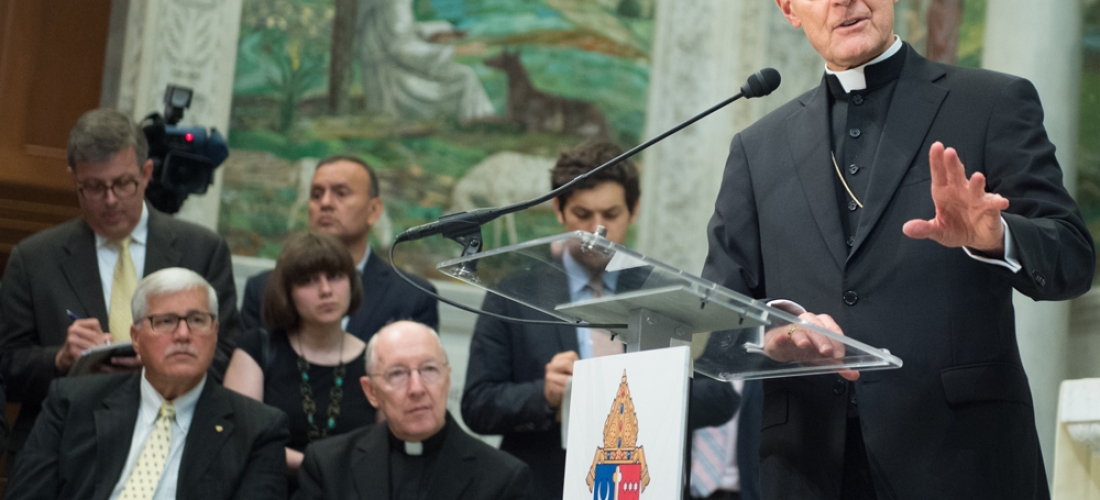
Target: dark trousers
x,y
856,483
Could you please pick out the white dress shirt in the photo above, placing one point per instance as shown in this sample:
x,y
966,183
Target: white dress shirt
x,y
147,416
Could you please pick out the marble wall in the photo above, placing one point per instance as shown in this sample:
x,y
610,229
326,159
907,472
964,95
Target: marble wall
x,y
702,56
1041,42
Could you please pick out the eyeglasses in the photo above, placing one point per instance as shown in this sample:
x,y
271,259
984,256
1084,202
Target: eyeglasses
x,y
197,322
398,377
97,190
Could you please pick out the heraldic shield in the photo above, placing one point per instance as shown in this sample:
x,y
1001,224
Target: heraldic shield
x,y
619,470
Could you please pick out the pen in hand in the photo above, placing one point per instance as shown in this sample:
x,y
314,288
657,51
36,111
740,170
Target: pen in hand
x,y
76,317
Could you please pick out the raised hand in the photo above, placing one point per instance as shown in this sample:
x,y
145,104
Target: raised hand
x,y
966,215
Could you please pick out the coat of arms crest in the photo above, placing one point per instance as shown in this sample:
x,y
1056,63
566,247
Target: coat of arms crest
x,y
619,470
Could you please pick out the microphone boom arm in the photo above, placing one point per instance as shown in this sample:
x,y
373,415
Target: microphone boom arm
x,y
465,227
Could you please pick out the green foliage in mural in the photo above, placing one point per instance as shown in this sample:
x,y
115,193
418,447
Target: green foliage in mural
x,y
971,33
589,57
1088,157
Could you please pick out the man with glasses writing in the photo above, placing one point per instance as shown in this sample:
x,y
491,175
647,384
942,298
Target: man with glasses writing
x,y
419,452
68,288
167,433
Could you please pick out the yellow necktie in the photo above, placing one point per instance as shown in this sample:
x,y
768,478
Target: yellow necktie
x,y
145,477
122,290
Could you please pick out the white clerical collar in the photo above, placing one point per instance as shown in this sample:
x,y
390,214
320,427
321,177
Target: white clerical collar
x,y
854,79
414,448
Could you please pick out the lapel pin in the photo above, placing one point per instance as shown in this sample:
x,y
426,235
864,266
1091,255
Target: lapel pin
x,y
218,428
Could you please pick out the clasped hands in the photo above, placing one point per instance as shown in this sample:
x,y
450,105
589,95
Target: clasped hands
x,y
966,216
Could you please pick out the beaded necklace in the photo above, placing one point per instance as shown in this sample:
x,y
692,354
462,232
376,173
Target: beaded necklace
x,y
336,394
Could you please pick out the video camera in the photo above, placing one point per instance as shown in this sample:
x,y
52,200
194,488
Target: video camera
x,y
184,158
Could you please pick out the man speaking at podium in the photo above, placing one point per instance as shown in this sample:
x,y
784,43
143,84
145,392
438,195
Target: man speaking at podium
x,y
901,201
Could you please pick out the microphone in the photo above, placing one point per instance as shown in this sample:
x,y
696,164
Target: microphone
x,y
459,226
761,83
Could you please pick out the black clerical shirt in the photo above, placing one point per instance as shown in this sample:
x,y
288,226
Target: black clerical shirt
x,y
857,119
410,474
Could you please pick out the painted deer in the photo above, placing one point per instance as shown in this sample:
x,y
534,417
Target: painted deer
x,y
538,111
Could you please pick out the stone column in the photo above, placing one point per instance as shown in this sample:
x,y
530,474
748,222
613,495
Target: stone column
x,y
192,43
1041,41
703,52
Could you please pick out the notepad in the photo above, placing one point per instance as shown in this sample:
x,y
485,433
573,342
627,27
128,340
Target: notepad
x,y
99,354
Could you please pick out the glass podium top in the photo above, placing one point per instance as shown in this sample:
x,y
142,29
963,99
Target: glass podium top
x,y
648,304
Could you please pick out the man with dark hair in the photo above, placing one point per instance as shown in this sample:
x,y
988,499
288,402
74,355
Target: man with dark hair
x,y
846,201
579,161
516,376
68,288
344,202
169,432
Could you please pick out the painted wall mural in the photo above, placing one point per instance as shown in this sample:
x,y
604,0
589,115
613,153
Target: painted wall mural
x,y
457,103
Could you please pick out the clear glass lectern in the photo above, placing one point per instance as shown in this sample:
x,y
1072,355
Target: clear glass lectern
x,y
650,305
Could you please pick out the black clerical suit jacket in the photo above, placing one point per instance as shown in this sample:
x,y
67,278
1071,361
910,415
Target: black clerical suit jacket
x,y
507,370
956,421
386,298
356,466
78,448
57,270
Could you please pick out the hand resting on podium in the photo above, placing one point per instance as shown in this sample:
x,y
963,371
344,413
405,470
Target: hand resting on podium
x,y
793,343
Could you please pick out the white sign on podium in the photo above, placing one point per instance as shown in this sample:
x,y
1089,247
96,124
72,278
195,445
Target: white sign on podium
x,y
627,422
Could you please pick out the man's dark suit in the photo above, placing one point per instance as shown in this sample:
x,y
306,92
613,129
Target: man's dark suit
x,y
356,465
386,298
506,374
234,447
957,420
58,270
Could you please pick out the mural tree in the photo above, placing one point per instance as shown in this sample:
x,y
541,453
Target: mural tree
x,y
341,56
944,20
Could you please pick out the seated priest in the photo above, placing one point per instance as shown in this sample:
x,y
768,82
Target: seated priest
x,y
419,451
169,432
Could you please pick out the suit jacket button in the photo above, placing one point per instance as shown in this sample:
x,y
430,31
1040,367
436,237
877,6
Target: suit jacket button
x,y
857,99
854,133
851,297
841,385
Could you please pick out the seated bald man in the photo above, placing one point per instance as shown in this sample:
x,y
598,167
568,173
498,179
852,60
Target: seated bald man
x,y
166,433
419,451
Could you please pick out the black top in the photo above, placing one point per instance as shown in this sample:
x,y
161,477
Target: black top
x,y
410,475
282,388
857,121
